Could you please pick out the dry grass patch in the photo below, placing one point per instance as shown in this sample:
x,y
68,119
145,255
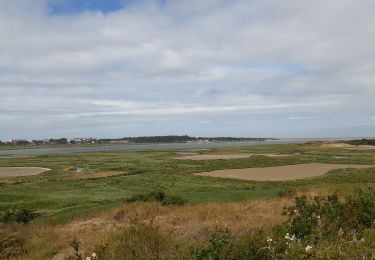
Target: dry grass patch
x,y
188,223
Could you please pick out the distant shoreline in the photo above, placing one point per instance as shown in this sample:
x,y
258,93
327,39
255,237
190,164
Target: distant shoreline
x,y
64,149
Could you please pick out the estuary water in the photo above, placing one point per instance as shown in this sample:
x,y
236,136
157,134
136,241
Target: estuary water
x,y
146,147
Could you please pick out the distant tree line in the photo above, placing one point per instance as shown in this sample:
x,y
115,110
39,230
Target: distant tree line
x,y
186,138
362,142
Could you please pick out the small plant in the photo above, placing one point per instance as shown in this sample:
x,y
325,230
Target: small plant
x,y
75,244
286,193
217,242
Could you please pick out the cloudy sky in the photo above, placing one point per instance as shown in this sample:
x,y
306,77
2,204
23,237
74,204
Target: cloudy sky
x,y
114,68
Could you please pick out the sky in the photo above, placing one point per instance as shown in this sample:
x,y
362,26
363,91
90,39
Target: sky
x,y
115,68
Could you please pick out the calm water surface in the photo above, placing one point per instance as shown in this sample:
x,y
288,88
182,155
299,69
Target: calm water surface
x,y
146,147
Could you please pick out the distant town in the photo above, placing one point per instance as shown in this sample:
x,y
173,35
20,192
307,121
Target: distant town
x,y
129,140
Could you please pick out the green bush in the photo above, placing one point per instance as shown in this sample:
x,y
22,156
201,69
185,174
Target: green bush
x,y
327,215
218,241
151,196
23,216
159,196
173,200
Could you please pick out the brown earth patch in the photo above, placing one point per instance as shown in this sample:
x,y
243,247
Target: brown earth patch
x,y
280,173
21,171
90,174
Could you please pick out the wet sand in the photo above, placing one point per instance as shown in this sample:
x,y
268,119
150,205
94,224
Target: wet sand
x,y
21,171
281,173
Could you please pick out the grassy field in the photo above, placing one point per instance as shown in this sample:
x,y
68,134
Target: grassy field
x,y
83,206
63,193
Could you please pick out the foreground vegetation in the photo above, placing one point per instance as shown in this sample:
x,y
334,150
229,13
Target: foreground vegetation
x,y
148,205
321,227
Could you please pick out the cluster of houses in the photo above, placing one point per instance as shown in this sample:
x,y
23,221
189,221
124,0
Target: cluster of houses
x,y
126,140
64,141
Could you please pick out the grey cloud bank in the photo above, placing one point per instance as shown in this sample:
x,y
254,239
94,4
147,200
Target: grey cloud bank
x,y
209,67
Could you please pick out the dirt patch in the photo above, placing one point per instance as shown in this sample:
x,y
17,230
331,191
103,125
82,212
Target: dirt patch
x,y
280,173
94,175
204,157
81,173
21,171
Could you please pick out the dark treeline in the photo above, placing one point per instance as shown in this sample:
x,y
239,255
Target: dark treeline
x,y
362,142
186,138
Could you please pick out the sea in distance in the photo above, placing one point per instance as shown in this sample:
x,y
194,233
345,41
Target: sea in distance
x,y
150,146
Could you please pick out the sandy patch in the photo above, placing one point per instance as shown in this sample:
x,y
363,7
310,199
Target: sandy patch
x,y
336,145
280,173
344,145
21,171
204,157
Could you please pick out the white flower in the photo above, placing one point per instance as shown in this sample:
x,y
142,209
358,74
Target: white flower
x,y
291,238
88,258
93,256
341,232
269,239
308,248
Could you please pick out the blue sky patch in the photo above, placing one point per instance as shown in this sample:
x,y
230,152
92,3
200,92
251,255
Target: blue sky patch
x,y
68,7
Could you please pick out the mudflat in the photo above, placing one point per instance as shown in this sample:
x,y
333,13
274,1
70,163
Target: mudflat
x,y
21,171
204,157
281,173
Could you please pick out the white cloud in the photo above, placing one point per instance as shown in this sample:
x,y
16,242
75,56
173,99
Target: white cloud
x,y
251,61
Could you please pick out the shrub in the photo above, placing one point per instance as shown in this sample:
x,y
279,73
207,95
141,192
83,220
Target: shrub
x,y
173,200
287,192
159,196
216,244
23,216
326,215
151,196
